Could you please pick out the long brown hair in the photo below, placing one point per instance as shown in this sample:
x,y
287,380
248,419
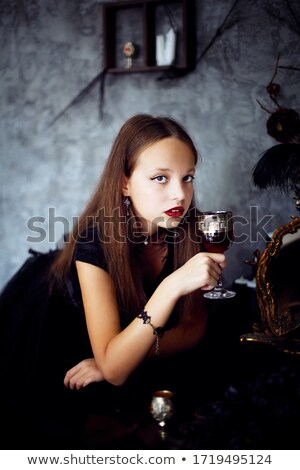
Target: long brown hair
x,y
135,135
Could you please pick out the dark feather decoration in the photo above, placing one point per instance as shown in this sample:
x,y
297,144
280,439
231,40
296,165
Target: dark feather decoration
x,y
279,166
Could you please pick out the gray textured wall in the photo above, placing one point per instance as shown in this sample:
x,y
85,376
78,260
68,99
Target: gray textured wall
x,y
50,50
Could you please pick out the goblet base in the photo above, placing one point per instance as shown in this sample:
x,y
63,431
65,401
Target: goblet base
x,y
219,294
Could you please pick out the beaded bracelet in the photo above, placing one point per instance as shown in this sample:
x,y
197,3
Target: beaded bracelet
x,y
158,332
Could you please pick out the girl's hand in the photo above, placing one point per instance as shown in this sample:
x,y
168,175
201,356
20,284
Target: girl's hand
x,y
202,271
83,374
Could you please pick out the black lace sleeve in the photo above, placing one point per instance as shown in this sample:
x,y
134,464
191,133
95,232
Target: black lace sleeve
x,y
89,250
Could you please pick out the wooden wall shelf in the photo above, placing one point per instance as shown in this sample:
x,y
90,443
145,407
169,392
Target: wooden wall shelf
x,y
140,22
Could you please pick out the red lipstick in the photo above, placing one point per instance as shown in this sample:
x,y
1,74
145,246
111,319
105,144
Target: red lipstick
x,y
175,211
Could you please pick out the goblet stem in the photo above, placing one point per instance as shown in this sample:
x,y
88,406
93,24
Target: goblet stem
x,y
219,283
219,286
162,430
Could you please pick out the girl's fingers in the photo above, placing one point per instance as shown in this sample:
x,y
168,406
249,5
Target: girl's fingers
x,y
82,374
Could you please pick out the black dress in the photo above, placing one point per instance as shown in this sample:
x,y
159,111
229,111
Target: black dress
x,y
42,336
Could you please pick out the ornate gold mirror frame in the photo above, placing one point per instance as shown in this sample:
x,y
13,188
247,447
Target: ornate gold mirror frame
x,y
280,319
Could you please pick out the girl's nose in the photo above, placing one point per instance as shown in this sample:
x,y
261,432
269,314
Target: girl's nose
x,y
177,191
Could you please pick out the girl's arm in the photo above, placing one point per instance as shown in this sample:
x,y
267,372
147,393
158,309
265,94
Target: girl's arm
x,y
188,333
118,352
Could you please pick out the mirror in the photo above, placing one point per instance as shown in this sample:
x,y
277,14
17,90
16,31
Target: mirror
x,y
278,290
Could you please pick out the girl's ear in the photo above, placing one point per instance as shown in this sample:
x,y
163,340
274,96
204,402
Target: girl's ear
x,y
125,190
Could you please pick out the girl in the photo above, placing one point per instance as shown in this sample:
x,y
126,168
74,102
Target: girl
x,y
127,287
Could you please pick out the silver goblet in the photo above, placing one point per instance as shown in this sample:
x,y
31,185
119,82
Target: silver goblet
x,y
162,409
216,231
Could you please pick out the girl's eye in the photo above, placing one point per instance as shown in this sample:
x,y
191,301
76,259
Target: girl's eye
x,y
159,179
189,178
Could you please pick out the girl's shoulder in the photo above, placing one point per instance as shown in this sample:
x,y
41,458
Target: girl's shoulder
x,y
89,248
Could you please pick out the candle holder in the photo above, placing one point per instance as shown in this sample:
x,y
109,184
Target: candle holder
x,y
129,50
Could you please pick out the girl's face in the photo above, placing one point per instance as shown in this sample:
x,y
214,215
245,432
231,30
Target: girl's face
x,y
161,184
